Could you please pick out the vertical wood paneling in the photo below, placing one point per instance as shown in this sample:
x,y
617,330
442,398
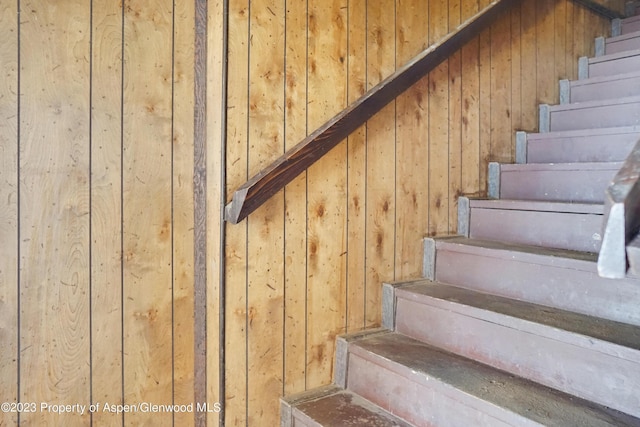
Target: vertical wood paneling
x,y
147,208
412,123
106,209
183,208
455,120
529,59
438,125
380,191
356,169
9,208
326,206
500,89
54,198
516,74
236,240
212,28
265,242
295,307
545,43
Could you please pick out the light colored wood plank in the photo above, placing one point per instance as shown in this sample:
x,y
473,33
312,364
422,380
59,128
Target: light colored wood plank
x,y
237,314
529,69
356,170
545,39
265,242
455,120
438,126
9,208
327,189
380,197
570,33
500,100
295,316
412,129
147,203
516,76
183,212
106,210
470,109
484,140
215,56
578,35
54,208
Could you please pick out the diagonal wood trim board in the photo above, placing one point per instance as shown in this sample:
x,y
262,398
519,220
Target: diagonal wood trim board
x,y
283,170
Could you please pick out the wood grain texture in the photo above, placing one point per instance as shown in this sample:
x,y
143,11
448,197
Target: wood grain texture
x,y
455,121
9,208
295,272
412,123
237,314
106,210
183,295
265,235
501,90
54,207
211,26
147,209
326,204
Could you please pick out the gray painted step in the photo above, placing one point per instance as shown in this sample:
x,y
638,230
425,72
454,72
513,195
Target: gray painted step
x,y
567,182
595,359
431,387
633,256
599,88
616,63
591,114
584,145
574,226
553,277
628,41
332,406
630,25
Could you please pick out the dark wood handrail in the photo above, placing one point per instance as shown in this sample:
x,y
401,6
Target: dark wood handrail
x,y
273,178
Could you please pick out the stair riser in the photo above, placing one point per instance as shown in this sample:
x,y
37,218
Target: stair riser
x,y
570,186
616,46
624,65
566,284
595,148
609,89
552,229
423,403
604,116
630,25
545,359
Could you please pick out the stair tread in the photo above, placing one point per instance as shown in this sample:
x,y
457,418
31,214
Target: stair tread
x,y
605,78
344,408
538,205
478,381
596,103
581,166
590,328
626,36
614,56
583,132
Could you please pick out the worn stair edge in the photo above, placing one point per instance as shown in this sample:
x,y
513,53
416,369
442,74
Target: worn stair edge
x,y
592,145
602,87
615,63
583,182
558,278
537,206
446,389
341,359
557,348
595,114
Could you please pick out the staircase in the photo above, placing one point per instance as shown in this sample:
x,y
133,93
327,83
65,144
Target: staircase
x,y
511,324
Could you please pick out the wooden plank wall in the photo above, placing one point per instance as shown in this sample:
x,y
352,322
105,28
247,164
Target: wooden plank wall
x,y
97,209
309,264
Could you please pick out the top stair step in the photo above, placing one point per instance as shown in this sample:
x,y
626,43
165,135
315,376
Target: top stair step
x,y
615,63
621,43
629,25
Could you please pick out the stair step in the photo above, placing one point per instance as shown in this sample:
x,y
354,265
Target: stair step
x,y
630,25
600,88
574,226
590,145
430,387
568,182
615,63
633,256
621,43
592,358
558,278
332,406
591,114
